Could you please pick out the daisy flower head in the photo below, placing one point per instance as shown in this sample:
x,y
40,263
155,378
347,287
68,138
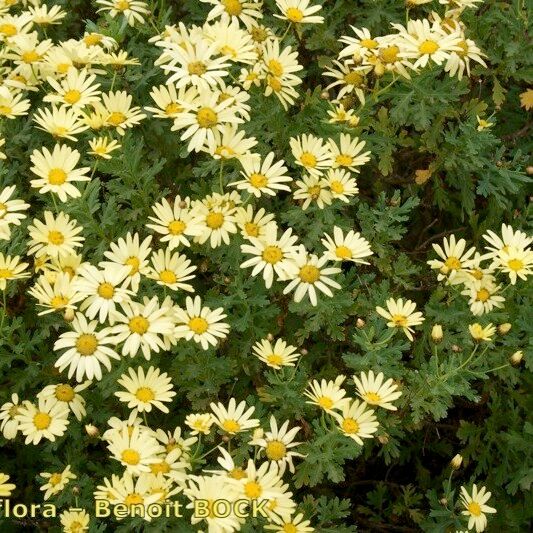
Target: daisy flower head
x,y
263,177
201,324
349,77
171,270
341,185
87,349
356,421
48,419
253,224
61,122
360,46
315,189
57,171
229,143
133,11
102,290
141,326
145,390
13,25
133,252
299,12
75,521
77,89
167,98
12,105
217,219
67,395
459,61
276,355
276,444
9,211
102,147
280,63
235,418
349,247
340,115
271,255
57,294
295,524
348,154
175,222
56,236
5,488
453,258
200,423
401,314
311,153
509,238
483,295
515,262
11,268
245,11
118,111
476,507
374,391
56,481
283,89
232,42
328,395
100,40
9,425
481,333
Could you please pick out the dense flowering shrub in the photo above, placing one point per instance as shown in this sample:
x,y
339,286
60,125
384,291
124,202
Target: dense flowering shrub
x,y
264,265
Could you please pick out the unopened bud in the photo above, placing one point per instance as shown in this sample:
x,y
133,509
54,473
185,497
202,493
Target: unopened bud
x,y
529,170
75,490
504,328
379,70
456,348
360,323
225,438
270,337
383,439
227,280
456,461
436,333
68,315
257,434
443,501
516,357
91,430
183,204
303,351
324,95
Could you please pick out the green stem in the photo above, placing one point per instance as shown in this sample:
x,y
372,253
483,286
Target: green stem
x,y
4,308
498,367
220,180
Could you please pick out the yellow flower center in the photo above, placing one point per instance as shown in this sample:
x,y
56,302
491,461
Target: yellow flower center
x,y
353,78
325,402
57,176
253,490
308,160
474,508
483,295
214,220
258,34
86,344
477,273
72,96
116,118
122,5
428,47
372,397
8,29
290,528
368,43
206,117
231,426
42,421
167,276
62,68
176,227
237,473
275,359
58,301
92,39
173,108
399,320
162,467
275,450
5,110
106,290
275,84
272,254
251,229
196,68
64,393
5,273
349,425
309,274
343,252
275,67
56,238
131,457
294,14
139,325
133,499
336,186
3,209
30,57
258,180
453,263
344,160
464,49
233,7
145,394
515,264
55,479
199,325
389,54
134,263
76,527
228,51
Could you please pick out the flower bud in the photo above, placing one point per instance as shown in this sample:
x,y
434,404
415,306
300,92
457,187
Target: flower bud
x,y
436,333
324,95
360,323
456,461
383,439
225,438
443,501
75,490
303,351
91,430
68,315
516,358
529,170
504,328
270,337
456,348
379,69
